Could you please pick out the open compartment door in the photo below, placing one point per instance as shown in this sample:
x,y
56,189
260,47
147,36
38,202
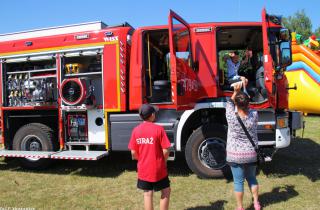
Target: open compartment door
x,y
269,43
184,85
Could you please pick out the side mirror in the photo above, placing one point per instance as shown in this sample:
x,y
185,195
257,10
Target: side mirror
x,y
284,34
285,54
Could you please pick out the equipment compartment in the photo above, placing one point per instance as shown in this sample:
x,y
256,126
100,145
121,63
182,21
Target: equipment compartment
x,y
82,63
76,127
30,82
81,83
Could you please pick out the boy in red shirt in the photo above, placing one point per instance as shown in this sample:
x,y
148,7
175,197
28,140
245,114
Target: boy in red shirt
x,y
149,145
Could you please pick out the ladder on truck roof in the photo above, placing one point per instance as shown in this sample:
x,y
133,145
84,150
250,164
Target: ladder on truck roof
x,y
65,154
74,28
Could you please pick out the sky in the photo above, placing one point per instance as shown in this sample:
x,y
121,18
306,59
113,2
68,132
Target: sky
x,y
21,15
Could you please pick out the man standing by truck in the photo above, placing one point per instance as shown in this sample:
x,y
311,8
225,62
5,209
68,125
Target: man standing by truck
x,y
149,145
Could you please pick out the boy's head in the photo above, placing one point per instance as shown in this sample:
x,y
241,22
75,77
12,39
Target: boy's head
x,y
234,55
147,112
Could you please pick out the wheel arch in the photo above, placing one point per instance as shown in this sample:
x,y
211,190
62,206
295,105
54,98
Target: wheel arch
x,y
15,122
203,113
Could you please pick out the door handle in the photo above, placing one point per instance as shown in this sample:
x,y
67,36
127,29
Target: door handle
x,y
292,88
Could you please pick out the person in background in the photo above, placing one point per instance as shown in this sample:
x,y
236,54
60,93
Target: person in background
x,y
150,145
233,65
241,155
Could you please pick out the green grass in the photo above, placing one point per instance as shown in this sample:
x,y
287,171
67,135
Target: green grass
x,y
291,181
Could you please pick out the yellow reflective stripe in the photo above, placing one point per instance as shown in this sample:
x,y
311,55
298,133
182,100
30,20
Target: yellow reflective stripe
x,y
106,112
106,129
58,48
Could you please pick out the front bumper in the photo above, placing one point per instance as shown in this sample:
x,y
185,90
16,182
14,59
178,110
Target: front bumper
x,y
283,137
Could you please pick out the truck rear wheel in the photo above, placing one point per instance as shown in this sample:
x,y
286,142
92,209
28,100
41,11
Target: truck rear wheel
x,y
34,137
206,151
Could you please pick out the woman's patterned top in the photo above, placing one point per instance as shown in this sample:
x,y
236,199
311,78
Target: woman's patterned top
x,y
239,148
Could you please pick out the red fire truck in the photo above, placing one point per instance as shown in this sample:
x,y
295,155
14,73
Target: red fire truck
x,y
73,92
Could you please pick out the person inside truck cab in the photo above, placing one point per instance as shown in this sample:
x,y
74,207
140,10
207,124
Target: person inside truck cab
x,y
233,65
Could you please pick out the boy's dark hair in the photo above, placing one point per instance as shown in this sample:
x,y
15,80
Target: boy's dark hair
x,y
146,110
242,101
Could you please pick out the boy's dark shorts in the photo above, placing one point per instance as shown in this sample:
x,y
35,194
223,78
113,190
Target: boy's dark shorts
x,y
155,186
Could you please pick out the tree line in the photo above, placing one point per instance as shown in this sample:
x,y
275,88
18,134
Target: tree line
x,y
301,24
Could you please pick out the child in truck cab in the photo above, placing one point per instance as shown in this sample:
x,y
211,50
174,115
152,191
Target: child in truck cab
x,y
149,145
233,65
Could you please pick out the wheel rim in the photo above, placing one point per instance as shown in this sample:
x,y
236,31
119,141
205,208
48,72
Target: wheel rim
x,y
31,143
212,153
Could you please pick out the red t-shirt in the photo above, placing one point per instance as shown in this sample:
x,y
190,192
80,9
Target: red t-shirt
x,y
148,140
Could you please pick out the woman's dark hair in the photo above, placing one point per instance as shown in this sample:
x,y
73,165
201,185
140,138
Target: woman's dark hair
x,y
242,101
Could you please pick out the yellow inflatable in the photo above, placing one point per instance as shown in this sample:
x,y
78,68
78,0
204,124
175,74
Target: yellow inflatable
x,y
305,74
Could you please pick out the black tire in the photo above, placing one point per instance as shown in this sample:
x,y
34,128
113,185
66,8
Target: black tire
x,y
34,137
206,151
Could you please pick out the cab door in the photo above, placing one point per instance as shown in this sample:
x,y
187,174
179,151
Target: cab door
x,y
184,84
277,55
268,59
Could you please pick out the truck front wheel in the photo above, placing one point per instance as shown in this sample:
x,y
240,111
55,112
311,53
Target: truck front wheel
x,y
206,151
34,137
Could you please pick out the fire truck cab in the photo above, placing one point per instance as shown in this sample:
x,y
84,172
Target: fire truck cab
x,y
74,92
